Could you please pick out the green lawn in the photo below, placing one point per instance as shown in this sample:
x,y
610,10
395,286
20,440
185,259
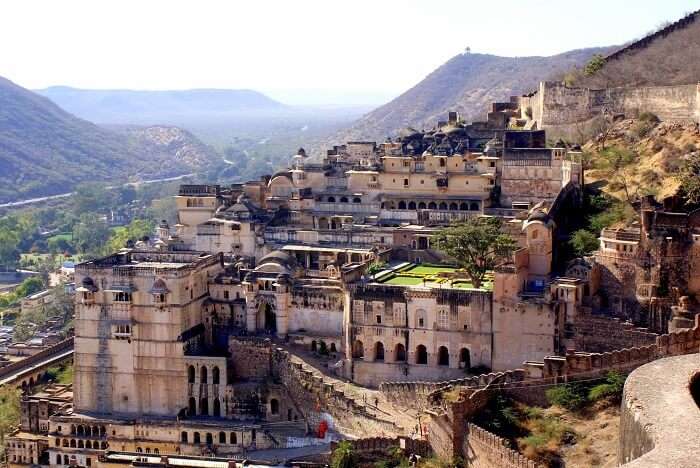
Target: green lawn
x,y
404,281
430,269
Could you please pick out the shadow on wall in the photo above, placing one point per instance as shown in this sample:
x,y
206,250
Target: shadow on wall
x,y
695,388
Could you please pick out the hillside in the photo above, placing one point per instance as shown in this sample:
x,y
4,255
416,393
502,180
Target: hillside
x,y
468,83
122,106
642,156
669,56
45,150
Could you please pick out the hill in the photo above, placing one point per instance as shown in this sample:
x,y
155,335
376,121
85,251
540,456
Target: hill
x,y
668,56
121,106
467,83
44,150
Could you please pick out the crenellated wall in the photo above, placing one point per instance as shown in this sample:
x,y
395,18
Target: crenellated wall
x,y
486,450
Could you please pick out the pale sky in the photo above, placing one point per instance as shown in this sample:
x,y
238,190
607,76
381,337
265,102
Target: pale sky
x,y
364,48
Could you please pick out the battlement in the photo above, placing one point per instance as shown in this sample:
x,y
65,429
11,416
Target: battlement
x,y
491,450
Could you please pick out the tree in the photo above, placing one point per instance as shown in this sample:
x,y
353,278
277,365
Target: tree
x,y
477,245
343,456
690,179
594,65
584,242
9,410
90,235
618,165
91,198
135,230
9,247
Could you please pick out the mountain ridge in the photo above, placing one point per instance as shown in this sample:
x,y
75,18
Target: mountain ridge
x,y
467,83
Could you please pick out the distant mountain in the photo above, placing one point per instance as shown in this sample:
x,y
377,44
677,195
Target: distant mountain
x,y
44,150
467,83
121,106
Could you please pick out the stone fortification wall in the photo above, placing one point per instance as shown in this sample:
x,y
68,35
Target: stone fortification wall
x,y
250,358
555,104
660,420
58,348
486,450
416,394
383,444
600,334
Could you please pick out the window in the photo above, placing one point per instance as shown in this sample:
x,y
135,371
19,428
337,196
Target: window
x,y
442,162
443,356
443,319
405,182
379,351
274,406
222,437
183,437
225,294
421,355
379,318
122,297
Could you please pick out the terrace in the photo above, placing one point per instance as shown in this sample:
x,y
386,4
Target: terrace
x,y
430,276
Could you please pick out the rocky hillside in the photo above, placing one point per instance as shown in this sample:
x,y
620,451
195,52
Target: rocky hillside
x,y
468,83
641,156
122,106
668,56
45,150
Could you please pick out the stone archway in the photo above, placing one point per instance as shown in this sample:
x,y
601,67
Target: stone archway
x,y
267,318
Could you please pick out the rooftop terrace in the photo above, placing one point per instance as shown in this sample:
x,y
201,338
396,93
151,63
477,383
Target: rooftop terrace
x,y
428,275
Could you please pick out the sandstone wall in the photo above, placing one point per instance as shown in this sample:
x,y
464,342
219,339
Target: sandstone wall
x,y
601,334
250,358
555,104
483,449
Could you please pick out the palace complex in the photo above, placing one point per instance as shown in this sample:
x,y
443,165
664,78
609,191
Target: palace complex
x,y
195,343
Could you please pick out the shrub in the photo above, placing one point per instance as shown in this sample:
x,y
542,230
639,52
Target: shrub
x,y
569,396
343,456
611,388
584,242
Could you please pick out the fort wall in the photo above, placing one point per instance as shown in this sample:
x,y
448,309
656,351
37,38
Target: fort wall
x,y
601,334
555,105
486,450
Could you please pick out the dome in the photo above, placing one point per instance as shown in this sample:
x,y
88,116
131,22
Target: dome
x,y
279,257
159,287
88,284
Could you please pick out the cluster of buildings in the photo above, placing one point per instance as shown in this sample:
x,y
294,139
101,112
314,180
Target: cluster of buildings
x,y
335,257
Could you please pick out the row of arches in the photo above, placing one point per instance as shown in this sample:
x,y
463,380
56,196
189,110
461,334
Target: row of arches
x,y
80,443
332,199
420,355
223,438
203,409
204,375
443,206
89,431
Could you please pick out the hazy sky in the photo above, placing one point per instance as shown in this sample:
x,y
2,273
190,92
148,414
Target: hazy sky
x,y
365,48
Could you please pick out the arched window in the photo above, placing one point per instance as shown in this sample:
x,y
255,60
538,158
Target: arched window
x,y
65,459
103,445
274,406
72,443
203,375
474,206
331,199
535,233
222,437
421,318
192,407
81,430
190,374
196,438
343,199
183,437
453,206
233,438
399,353
443,356
81,444
464,206
421,205
442,206
215,375
139,450
210,438
58,459
432,206
322,223
203,406
443,319
379,351
421,355
358,350
411,205
464,358
333,348
217,408
356,200
402,205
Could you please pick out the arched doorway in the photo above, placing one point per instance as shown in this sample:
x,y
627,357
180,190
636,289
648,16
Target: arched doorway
x,y
400,353
421,355
379,351
464,359
443,356
267,319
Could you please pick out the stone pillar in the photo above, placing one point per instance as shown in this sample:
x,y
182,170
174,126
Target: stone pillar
x,y
251,312
282,291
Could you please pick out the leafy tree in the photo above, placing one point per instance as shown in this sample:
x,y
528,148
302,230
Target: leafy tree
x,y
375,267
9,247
91,198
90,235
584,242
135,230
690,179
570,396
594,65
477,245
611,388
9,410
343,456
618,165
